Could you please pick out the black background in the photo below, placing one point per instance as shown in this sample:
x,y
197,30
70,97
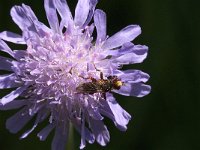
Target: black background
x,y
168,118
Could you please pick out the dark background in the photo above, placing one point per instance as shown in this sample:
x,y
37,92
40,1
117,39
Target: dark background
x,y
168,118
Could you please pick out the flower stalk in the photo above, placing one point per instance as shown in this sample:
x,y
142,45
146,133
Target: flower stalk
x,y
70,145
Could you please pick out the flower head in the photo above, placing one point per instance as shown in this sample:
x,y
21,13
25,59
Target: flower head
x,y
66,75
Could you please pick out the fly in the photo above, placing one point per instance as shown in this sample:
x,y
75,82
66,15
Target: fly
x,y
100,86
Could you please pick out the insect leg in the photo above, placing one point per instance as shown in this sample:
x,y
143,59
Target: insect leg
x,y
104,96
91,78
101,73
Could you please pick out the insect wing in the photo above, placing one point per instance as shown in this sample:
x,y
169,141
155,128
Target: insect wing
x,y
87,88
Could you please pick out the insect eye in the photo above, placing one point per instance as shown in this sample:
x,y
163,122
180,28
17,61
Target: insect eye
x,y
109,77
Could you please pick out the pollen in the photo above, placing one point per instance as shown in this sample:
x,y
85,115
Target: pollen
x,y
119,83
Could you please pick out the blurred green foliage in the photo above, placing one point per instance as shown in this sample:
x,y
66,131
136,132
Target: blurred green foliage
x,y
168,118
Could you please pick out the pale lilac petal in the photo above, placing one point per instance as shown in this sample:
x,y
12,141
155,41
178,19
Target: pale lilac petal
x,y
88,135
90,29
5,48
136,54
41,29
23,17
29,13
45,131
16,68
106,111
60,139
11,96
131,48
82,144
39,108
8,81
100,131
13,105
124,49
111,109
121,116
18,121
134,89
128,54
12,37
93,4
81,12
37,27
24,135
6,63
113,53
18,54
83,141
127,34
130,58
93,110
51,15
100,23
134,76
94,113
40,117
19,17
64,11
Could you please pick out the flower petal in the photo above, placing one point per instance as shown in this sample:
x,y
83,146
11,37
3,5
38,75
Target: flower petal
x,y
64,11
45,131
6,63
134,89
133,55
11,96
23,17
93,4
18,121
24,135
51,15
12,37
88,135
40,117
8,81
93,110
133,76
124,49
41,29
121,116
29,13
127,34
131,48
83,142
100,23
13,105
130,58
5,48
81,12
100,131
94,113
18,54
60,138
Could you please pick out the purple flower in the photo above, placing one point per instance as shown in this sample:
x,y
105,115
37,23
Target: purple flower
x,y
61,58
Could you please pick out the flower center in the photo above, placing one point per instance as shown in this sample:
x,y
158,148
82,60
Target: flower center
x,y
56,66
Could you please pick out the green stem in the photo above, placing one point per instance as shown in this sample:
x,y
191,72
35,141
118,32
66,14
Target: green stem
x,y
70,143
